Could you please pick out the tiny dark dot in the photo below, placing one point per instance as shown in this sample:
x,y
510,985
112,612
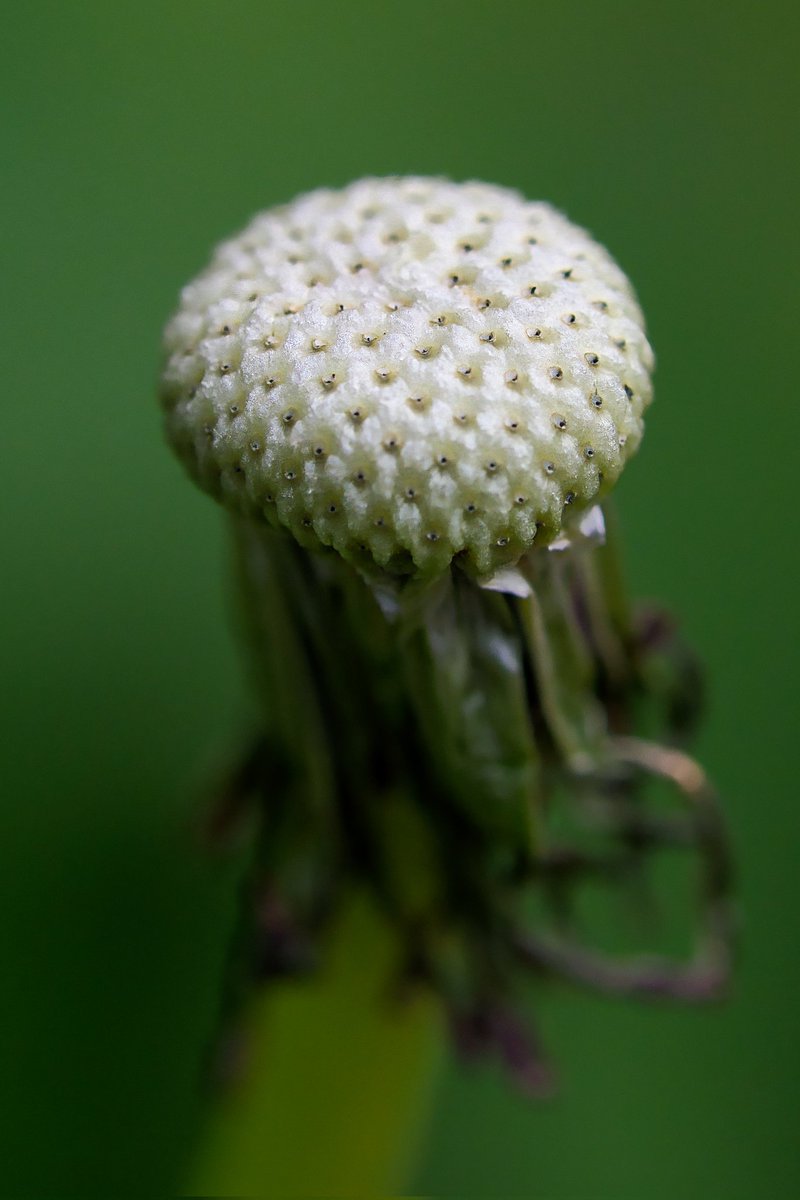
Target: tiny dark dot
x,y
556,373
533,333
532,241
319,451
471,508
271,382
567,274
424,351
454,279
238,470
502,541
226,329
233,409
621,344
410,493
224,368
549,468
380,522
432,537
532,290
505,262
331,508
360,477
288,417
289,475
589,452
255,447
520,499
570,496
568,318
592,359
487,337
628,391
357,267
485,303
442,460
466,246
306,522
491,466
559,422
465,371
597,401
355,414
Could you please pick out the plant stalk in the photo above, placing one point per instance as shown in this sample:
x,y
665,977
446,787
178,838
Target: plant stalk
x,y
337,1078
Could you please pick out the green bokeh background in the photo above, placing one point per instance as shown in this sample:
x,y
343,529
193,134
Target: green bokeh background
x,y
135,137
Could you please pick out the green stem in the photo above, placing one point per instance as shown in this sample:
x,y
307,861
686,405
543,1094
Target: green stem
x,y
337,1079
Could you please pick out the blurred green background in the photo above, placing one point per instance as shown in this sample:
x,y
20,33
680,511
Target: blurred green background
x,y
135,137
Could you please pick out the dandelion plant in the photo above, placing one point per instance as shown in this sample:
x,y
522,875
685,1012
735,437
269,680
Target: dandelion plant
x,y
414,398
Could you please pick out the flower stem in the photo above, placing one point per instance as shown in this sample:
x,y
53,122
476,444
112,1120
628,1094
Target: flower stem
x,y
337,1078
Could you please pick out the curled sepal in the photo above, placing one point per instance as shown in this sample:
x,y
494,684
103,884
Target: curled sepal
x,y
704,976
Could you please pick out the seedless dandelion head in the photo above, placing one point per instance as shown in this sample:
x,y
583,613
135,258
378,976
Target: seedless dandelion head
x,y
410,371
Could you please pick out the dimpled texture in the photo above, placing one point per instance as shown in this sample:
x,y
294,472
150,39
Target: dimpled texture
x,y
410,371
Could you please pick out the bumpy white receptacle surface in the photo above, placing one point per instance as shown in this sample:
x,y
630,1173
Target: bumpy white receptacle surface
x,y
409,370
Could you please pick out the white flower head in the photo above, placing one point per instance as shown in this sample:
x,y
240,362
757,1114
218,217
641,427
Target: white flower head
x,y
411,371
